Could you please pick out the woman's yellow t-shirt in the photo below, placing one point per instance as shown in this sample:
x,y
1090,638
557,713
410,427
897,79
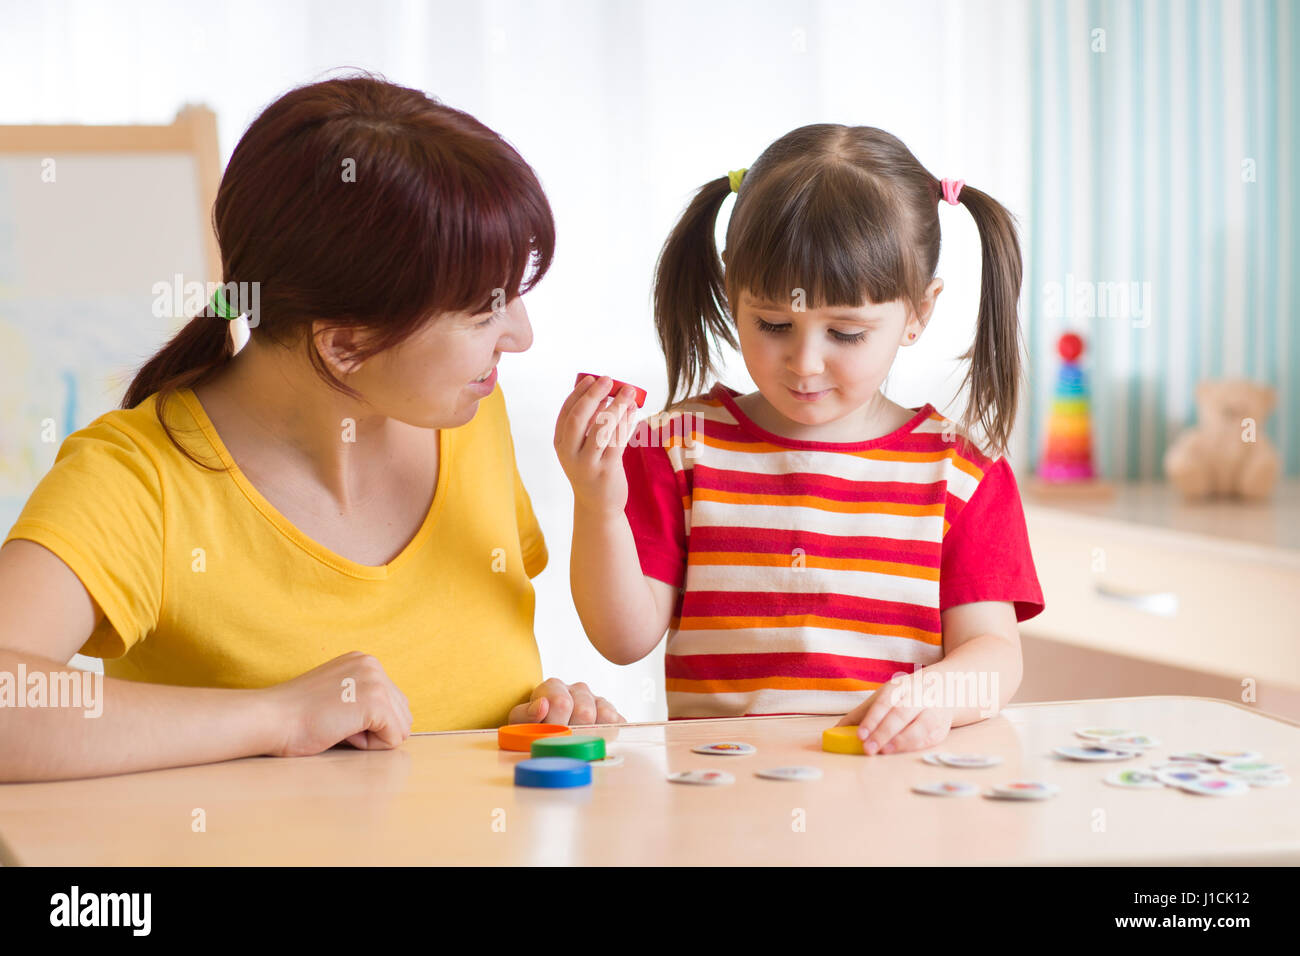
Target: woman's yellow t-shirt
x,y
204,584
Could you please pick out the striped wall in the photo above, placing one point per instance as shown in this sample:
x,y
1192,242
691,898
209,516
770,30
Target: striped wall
x,y
1164,163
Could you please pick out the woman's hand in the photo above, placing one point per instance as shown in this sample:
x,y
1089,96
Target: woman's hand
x,y
886,727
555,702
589,441
349,698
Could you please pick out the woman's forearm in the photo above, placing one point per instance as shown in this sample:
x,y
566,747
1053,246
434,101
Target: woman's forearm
x,y
610,593
119,726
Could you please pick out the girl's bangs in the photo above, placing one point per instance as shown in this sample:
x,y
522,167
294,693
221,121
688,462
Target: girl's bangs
x,y
825,236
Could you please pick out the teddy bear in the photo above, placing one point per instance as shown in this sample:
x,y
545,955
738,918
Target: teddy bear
x,y
1227,452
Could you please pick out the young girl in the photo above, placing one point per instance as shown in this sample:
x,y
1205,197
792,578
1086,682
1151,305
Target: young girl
x,y
804,543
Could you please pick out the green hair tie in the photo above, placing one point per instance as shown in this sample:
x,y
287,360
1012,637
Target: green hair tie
x,y
736,175
220,307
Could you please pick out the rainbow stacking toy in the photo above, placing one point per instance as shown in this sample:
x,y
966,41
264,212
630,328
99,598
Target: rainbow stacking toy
x,y
1068,457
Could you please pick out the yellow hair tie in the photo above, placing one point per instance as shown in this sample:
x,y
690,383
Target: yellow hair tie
x,y
736,175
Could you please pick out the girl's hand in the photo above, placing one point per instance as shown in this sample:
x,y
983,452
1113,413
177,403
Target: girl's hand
x,y
589,441
349,698
555,702
888,728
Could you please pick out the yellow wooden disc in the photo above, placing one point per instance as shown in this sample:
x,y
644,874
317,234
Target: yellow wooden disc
x,y
842,740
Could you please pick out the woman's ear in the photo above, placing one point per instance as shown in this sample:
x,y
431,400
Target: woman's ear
x,y
337,345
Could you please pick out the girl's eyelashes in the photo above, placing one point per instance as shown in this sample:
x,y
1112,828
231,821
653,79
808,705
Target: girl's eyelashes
x,y
785,327
486,322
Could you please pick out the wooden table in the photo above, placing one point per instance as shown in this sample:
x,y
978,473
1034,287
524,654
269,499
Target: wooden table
x,y
450,799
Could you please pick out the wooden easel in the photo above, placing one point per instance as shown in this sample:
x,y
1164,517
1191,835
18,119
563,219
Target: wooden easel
x,y
194,131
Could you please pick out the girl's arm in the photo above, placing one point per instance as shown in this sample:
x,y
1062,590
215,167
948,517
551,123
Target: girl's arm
x,y
979,674
623,611
982,654
989,666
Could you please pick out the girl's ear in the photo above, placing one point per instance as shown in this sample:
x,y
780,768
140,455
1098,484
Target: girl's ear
x,y
931,294
928,299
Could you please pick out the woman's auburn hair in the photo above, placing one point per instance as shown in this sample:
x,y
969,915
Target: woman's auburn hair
x,y
844,215
365,204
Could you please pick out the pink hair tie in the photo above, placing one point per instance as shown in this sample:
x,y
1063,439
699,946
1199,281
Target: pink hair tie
x,y
951,188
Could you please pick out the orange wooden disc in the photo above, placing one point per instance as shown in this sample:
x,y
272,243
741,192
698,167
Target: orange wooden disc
x,y
521,736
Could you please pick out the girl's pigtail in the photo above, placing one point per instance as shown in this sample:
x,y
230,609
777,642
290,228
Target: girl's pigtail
x,y
690,300
995,369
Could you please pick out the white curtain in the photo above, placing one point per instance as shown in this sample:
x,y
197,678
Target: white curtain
x,y
1165,137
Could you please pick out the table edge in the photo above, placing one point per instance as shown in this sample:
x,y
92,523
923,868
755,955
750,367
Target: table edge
x,y
1035,703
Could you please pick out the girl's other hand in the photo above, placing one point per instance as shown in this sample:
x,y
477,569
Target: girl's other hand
x,y
589,441
886,727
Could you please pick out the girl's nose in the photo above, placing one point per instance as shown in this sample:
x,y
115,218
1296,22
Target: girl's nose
x,y
806,361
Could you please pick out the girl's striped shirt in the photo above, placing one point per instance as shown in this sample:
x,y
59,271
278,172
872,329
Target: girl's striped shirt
x,y
809,573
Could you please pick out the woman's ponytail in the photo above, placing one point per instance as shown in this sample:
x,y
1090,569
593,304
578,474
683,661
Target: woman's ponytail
x,y
197,349
690,300
996,364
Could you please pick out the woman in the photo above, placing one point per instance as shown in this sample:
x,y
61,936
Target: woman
x,y
322,537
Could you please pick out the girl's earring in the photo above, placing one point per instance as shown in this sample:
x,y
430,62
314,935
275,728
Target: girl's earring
x,y
911,335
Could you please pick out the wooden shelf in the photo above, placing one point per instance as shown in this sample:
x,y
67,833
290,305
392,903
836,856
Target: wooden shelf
x,y
1273,526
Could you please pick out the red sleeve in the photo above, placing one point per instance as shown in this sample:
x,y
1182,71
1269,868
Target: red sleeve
x,y
654,510
986,554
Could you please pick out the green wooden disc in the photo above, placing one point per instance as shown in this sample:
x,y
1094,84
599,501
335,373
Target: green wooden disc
x,y
579,748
